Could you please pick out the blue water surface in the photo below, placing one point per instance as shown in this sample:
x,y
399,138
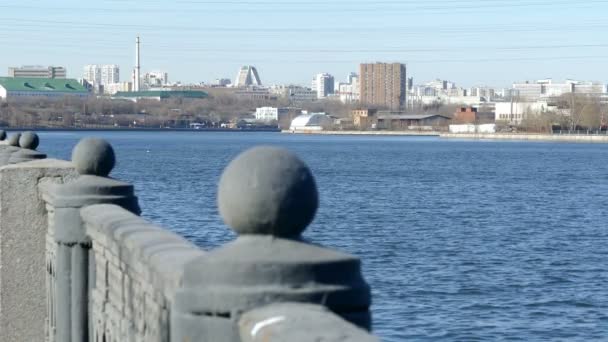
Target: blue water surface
x,y
460,240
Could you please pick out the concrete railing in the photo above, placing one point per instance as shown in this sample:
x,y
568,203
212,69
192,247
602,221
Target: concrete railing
x,y
79,264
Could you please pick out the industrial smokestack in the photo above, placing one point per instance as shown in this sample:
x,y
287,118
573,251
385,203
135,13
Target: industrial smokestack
x,y
137,66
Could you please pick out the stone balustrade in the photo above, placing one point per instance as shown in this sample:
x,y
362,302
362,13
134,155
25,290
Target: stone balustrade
x,y
79,264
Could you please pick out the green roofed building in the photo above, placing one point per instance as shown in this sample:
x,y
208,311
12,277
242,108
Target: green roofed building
x,y
159,95
18,87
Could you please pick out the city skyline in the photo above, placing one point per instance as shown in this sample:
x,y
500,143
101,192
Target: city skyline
x,y
491,43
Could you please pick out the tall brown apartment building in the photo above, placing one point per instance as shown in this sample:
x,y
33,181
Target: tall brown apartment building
x,y
383,84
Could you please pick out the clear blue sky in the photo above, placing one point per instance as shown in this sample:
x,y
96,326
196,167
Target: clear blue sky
x,y
490,42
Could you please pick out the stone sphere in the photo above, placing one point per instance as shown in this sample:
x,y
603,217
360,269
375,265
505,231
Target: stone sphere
x,y
93,156
268,191
29,140
2,134
13,140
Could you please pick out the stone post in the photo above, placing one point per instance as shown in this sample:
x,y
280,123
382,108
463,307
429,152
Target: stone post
x,y
268,196
69,279
12,145
28,143
23,224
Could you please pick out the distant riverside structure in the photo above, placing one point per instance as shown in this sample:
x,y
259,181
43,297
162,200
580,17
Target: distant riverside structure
x,y
113,88
37,71
101,74
160,95
222,82
269,113
311,122
22,87
323,84
295,94
254,93
155,79
349,91
383,84
247,76
283,116
515,112
547,88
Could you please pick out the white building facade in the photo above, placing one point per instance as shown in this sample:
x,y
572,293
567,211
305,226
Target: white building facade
x,y
113,88
531,91
155,79
268,114
110,73
37,71
349,91
516,112
323,85
97,74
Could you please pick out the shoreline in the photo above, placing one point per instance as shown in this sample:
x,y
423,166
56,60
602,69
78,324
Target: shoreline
x,y
91,129
389,133
531,137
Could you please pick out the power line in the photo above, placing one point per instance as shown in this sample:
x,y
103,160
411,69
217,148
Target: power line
x,y
412,30
280,7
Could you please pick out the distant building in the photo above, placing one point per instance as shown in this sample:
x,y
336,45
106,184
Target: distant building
x,y
21,87
97,74
222,82
247,76
532,91
92,74
110,73
364,118
349,91
113,88
36,71
323,84
296,95
154,79
254,93
400,121
283,116
516,112
311,122
160,95
269,113
383,84
473,115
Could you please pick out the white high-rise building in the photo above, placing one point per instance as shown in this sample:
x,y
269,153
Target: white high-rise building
x,y
156,79
349,92
110,74
97,74
323,84
92,74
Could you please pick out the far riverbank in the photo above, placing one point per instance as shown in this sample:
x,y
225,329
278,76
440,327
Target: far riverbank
x,y
582,138
409,133
135,129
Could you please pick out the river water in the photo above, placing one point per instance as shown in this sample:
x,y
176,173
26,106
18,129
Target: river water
x,y
460,240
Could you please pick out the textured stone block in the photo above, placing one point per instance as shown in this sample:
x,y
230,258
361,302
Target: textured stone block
x,y
23,231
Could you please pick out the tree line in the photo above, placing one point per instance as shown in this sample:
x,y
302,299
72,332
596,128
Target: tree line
x,y
217,109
